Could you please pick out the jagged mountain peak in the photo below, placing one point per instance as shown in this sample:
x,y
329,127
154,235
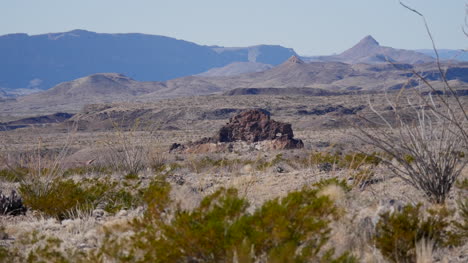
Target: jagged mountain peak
x,y
368,41
295,60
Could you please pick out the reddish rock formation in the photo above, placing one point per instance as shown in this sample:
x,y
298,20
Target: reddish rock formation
x,y
249,126
256,125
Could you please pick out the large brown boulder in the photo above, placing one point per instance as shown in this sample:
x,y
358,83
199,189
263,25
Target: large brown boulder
x,y
250,126
253,126
256,125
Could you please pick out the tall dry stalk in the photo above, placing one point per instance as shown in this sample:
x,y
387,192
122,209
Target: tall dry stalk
x,y
37,163
426,138
128,150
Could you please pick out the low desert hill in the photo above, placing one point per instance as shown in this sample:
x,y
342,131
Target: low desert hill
x,y
293,77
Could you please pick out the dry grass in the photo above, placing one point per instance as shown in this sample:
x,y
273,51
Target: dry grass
x,y
424,250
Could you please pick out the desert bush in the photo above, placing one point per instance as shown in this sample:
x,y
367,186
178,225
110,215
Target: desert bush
x,y
397,233
262,165
61,197
423,151
461,228
292,229
13,175
56,198
39,247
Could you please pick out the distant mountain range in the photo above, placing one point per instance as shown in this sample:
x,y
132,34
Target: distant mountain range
x,y
446,54
43,61
369,51
32,63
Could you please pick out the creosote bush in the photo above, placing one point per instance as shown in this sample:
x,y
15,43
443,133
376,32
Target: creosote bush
x,y
461,227
60,197
291,229
398,233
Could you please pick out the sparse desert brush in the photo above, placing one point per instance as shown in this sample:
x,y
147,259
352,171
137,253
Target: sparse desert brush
x,y
398,233
39,247
424,151
61,197
56,198
291,229
128,151
461,227
16,175
351,160
262,165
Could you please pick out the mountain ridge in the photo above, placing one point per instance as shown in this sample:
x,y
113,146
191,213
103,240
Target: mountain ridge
x,y
45,60
368,50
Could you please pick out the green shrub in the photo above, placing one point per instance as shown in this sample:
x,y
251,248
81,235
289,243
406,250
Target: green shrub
x,y
131,176
59,198
56,198
117,200
398,233
13,175
292,229
263,165
461,228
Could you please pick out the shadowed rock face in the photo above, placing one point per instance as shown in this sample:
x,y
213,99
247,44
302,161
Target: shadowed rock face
x,y
251,126
254,126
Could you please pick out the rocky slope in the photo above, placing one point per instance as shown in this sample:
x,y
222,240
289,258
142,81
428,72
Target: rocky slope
x,y
236,68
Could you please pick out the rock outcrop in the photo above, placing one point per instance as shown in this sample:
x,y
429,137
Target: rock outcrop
x,y
11,205
254,127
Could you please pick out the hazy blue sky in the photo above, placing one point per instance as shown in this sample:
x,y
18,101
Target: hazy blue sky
x,y
311,27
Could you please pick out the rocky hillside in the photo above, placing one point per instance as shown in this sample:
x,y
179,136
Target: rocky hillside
x,y
236,68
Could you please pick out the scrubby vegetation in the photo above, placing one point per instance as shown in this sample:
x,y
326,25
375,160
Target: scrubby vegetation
x,y
223,227
60,198
290,229
399,232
